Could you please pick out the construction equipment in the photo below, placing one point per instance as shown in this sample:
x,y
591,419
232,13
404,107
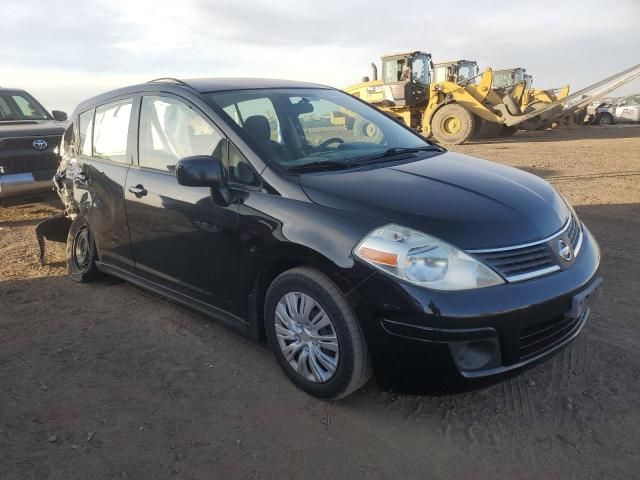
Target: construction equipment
x,y
453,112
457,71
510,77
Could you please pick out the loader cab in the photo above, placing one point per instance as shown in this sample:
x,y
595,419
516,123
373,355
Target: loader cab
x,y
510,77
457,71
406,78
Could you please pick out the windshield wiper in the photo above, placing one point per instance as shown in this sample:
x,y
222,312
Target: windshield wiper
x,y
390,152
357,162
320,165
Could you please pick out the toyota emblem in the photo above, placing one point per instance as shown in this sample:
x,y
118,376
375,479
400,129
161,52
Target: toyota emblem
x,y
40,144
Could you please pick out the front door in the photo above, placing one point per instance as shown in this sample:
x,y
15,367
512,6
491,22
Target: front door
x,y
628,110
180,238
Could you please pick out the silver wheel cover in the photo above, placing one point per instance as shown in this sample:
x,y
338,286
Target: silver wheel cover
x,y
306,337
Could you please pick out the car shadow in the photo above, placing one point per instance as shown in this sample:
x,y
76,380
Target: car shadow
x,y
587,132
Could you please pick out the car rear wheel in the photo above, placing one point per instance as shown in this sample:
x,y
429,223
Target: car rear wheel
x,y
314,335
81,252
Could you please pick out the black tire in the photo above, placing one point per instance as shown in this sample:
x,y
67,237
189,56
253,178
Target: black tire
x,y
81,252
490,130
353,364
506,131
452,124
604,119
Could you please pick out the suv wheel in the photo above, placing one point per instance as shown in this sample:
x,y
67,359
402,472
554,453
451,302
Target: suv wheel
x,y
314,335
81,252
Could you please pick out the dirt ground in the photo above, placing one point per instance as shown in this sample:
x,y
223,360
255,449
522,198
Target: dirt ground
x,y
106,381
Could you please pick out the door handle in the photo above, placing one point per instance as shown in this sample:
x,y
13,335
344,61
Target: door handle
x,y
139,191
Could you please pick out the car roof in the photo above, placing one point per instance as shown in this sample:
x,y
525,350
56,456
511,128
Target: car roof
x,y
12,90
200,85
222,84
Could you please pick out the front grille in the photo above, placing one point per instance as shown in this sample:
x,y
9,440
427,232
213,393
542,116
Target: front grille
x,y
17,155
535,340
519,261
25,165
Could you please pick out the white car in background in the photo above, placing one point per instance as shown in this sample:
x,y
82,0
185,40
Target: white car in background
x,y
625,110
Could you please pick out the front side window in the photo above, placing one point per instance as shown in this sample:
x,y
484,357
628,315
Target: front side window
x,y
242,112
314,126
629,102
85,128
396,70
111,130
170,130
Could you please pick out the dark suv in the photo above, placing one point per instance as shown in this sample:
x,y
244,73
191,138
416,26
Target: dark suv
x,y
29,143
352,248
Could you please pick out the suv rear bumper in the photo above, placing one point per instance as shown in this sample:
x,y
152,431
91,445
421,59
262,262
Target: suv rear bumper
x,y
19,184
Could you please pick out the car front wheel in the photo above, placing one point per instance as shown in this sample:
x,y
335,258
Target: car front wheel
x,y
604,119
314,335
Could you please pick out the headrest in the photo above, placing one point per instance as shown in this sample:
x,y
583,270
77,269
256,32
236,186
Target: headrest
x,y
258,127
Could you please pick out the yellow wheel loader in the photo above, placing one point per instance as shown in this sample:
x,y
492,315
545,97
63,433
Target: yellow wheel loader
x,y
453,112
526,98
434,99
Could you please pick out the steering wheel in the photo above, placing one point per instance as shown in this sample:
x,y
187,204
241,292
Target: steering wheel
x,y
329,141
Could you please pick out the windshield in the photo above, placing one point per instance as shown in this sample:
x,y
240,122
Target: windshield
x,y
297,127
20,106
467,71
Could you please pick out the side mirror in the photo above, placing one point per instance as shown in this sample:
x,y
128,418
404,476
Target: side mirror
x,y
204,171
60,116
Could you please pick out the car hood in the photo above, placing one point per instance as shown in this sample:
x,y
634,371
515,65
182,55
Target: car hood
x,y
469,202
30,128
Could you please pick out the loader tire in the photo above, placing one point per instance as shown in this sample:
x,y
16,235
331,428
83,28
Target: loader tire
x,y
452,124
490,130
478,127
508,131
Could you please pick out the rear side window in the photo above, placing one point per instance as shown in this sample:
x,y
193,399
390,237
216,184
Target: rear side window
x,y
85,121
111,130
170,130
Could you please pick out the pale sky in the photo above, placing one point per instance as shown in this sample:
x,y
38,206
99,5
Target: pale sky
x,y
64,51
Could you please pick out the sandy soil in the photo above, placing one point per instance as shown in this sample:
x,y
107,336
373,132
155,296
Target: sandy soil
x,y
107,381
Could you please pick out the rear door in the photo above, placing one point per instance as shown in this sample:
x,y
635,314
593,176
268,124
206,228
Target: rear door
x,y
104,157
180,238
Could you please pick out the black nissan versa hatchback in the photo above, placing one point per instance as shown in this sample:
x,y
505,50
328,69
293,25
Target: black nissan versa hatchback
x,y
297,212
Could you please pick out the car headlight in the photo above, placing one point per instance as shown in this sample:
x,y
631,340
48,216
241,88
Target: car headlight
x,y
423,260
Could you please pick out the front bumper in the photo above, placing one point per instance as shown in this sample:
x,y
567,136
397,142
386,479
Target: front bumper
x,y
475,333
19,184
